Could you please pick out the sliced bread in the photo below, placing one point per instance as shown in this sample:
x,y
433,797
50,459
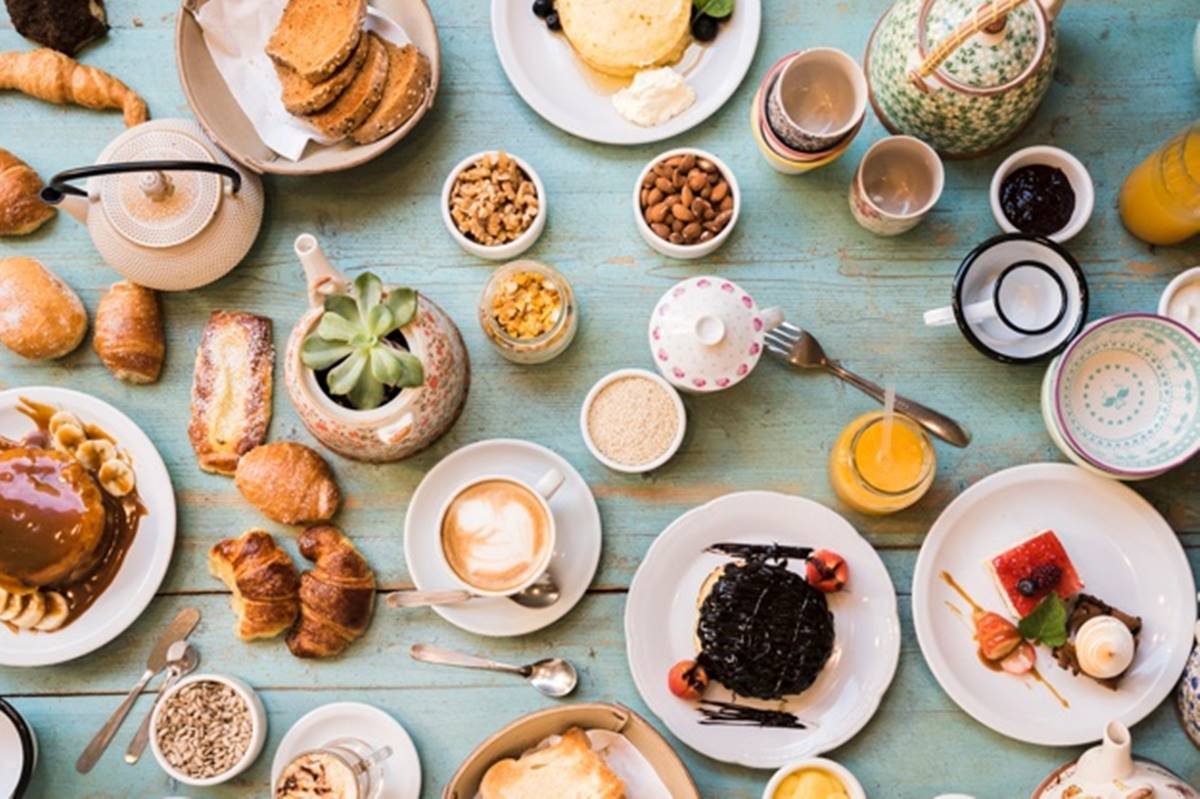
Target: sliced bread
x,y
315,37
568,769
407,85
359,99
302,97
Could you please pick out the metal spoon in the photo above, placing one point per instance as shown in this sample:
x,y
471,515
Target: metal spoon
x,y
182,659
553,677
542,594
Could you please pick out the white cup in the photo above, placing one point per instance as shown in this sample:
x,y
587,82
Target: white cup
x,y
818,98
1027,297
543,490
898,181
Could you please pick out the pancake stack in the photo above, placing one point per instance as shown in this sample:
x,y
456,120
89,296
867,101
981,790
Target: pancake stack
x,y
347,82
624,37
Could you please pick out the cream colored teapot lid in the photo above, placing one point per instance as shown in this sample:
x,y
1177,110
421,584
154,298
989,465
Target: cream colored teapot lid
x,y
993,60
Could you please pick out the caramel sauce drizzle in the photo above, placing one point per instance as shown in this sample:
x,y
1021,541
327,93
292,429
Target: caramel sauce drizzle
x,y
976,609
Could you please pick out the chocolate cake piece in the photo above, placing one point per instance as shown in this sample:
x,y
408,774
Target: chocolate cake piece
x,y
64,25
1088,607
763,631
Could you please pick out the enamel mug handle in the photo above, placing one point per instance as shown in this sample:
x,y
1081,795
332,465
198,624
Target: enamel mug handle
x,y
939,317
975,312
549,483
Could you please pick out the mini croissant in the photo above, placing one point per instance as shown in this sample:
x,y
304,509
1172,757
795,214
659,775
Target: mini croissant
x,y
336,597
263,580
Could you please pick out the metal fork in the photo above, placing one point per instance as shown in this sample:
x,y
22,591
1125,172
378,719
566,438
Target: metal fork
x,y
800,349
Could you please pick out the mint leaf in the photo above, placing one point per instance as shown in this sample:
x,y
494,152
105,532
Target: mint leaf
x,y
716,9
1047,623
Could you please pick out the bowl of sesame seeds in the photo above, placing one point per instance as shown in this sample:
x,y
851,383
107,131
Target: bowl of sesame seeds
x,y
207,729
633,421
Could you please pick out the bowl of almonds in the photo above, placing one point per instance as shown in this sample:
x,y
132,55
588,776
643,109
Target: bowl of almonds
x,y
207,729
685,203
494,205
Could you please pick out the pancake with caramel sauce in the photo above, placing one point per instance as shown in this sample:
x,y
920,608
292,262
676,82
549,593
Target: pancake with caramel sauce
x,y
59,530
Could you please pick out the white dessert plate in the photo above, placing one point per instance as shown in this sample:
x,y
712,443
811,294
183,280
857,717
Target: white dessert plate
x,y
1126,555
576,553
660,623
375,727
554,81
145,562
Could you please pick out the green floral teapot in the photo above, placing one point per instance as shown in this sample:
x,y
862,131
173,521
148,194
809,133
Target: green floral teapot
x,y
962,76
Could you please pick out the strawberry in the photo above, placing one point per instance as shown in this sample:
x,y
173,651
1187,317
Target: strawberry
x,y
997,636
827,571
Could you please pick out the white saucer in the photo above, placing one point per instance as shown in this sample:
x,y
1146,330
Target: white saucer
x,y
147,559
576,554
1125,553
660,623
401,771
552,79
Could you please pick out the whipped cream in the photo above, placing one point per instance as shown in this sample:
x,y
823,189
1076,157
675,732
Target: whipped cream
x,y
655,96
1104,647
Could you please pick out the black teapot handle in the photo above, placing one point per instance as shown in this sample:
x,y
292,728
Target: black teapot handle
x,y
59,185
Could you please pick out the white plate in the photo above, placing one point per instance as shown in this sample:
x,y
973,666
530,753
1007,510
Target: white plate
x,y
401,771
576,553
548,75
145,562
1125,554
665,588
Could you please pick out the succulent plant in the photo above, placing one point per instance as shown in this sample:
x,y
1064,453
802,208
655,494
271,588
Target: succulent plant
x,y
351,342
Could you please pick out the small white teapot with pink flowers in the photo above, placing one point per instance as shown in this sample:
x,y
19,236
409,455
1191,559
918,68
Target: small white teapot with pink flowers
x,y
1109,771
706,334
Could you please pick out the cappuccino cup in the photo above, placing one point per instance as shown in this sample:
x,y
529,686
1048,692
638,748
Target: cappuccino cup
x,y
497,533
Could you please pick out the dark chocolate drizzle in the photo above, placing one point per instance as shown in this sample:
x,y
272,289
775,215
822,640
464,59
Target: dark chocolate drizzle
x,y
735,715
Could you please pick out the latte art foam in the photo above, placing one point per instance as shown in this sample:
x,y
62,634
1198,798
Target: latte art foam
x,y
495,535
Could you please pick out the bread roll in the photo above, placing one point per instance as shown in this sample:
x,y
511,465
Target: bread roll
x,y
288,482
21,209
128,333
40,316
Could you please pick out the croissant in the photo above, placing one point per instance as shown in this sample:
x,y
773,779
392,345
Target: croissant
x,y
263,580
289,482
21,209
336,597
128,333
56,78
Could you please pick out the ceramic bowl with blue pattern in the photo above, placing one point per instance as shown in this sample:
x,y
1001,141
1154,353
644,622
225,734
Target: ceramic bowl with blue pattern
x,y
1127,394
1189,694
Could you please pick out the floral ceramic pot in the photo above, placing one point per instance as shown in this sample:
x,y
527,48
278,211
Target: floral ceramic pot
x,y
1110,771
1189,694
706,334
412,420
963,79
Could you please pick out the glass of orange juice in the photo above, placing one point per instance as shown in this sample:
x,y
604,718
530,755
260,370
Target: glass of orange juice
x,y
1160,200
876,470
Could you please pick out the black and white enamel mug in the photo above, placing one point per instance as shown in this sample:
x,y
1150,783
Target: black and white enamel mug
x,y
18,752
1017,298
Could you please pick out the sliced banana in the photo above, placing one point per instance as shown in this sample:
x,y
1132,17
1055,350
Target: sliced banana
x,y
61,418
35,609
94,453
68,437
55,614
12,607
116,477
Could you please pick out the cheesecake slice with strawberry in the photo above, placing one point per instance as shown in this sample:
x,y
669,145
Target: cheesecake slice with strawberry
x,y
1033,569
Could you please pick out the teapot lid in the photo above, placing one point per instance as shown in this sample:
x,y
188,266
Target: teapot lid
x,y
991,60
706,334
158,209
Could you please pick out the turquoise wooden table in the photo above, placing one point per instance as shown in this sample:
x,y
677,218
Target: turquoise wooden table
x,y
1124,83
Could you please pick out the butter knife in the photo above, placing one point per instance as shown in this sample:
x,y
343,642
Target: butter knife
x,y
177,630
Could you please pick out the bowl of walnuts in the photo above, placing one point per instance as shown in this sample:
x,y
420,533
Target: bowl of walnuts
x,y
494,205
685,203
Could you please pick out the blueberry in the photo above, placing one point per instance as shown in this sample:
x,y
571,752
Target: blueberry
x,y
543,8
704,28
1027,587
552,21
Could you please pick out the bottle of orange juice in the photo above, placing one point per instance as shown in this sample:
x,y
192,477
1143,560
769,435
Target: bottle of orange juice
x,y
1160,201
879,470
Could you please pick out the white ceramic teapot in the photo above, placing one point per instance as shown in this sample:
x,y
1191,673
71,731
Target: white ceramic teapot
x,y
1109,771
164,206
402,426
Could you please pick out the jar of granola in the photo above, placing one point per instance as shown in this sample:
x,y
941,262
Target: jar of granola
x,y
528,312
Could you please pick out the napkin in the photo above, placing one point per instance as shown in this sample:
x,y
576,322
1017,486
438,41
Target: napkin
x,y
236,34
